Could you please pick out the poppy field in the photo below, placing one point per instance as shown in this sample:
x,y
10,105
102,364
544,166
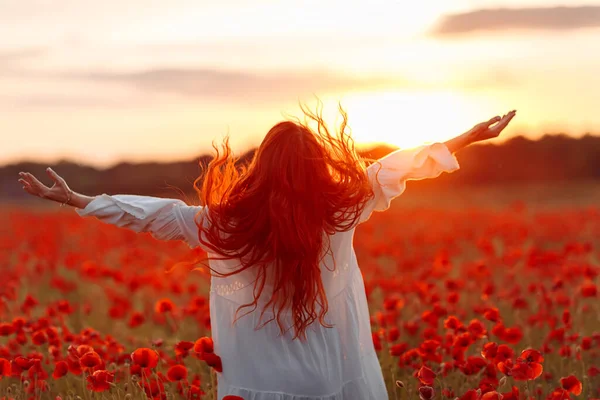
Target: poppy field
x,y
478,302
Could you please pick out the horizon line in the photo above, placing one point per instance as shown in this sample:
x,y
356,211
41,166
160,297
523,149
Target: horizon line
x,y
361,148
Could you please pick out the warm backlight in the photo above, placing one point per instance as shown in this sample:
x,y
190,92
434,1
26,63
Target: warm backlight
x,y
411,118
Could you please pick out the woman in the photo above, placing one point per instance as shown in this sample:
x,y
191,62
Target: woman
x,y
288,307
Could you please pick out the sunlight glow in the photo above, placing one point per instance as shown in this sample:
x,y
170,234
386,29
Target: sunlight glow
x,y
411,118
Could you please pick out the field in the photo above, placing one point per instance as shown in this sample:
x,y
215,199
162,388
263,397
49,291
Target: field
x,y
483,293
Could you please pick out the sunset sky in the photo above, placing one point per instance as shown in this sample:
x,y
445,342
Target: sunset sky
x,y
103,81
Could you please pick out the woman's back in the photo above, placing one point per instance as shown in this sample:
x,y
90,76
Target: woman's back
x,y
336,362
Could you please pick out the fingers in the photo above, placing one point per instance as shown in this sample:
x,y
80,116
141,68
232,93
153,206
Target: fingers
x,y
24,183
55,177
503,122
493,120
32,183
27,187
486,124
508,117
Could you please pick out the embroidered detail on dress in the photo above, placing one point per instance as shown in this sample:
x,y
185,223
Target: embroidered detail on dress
x,y
339,270
225,289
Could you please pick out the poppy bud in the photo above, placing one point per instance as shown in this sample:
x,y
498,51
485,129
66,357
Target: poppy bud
x,y
426,393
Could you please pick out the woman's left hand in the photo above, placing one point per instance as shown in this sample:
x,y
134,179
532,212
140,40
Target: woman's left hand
x,y
59,192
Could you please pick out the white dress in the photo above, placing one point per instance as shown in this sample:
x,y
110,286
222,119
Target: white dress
x,y
338,363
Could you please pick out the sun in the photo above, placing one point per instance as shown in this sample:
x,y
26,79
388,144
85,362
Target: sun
x,y
411,118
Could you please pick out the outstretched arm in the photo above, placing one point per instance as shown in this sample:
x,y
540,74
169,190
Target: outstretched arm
x,y
388,176
59,192
166,219
480,132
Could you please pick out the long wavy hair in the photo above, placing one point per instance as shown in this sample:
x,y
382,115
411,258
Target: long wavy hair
x,y
275,214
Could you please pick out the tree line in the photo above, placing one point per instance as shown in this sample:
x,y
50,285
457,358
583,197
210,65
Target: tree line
x,y
518,160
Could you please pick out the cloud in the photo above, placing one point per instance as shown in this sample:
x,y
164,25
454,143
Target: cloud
x,y
59,101
503,19
14,56
11,61
189,83
231,85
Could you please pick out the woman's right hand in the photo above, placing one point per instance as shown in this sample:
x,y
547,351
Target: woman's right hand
x,y
59,191
490,129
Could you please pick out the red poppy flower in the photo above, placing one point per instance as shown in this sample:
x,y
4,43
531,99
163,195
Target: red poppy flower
x,y
393,334
164,306
489,351
18,323
177,373
78,351
204,345
28,303
213,361
195,392
74,366
100,381
136,319
145,357
24,363
588,289
586,343
91,359
559,394
154,389
60,369
593,371
183,348
5,367
463,340
514,394
571,384
452,323
527,367
426,376
36,372
64,307
376,341
453,298
39,338
477,329
512,335
398,348
429,351
473,365
504,352
6,329
492,314
493,395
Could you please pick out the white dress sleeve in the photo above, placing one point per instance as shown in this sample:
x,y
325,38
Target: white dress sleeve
x,y
389,174
165,219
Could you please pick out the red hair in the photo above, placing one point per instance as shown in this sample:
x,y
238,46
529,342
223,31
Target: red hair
x,y
274,214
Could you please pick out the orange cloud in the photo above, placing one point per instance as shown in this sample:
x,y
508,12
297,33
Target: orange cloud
x,y
218,83
503,19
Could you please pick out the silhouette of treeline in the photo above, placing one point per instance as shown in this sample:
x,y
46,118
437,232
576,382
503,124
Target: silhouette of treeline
x,y
552,158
